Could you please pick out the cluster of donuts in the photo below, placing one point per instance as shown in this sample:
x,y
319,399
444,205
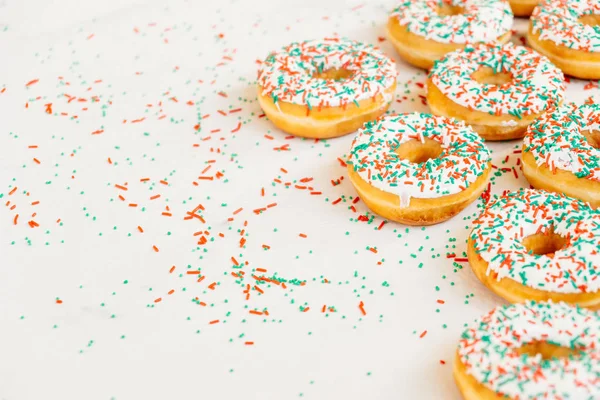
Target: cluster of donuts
x,y
537,248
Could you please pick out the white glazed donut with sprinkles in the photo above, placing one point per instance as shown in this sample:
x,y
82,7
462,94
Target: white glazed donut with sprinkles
x,y
568,32
534,350
408,167
325,88
423,31
537,245
498,90
561,152
480,21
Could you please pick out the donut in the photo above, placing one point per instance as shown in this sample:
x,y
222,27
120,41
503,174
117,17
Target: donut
x,y
424,31
523,8
418,169
567,32
325,88
536,245
498,90
561,152
534,350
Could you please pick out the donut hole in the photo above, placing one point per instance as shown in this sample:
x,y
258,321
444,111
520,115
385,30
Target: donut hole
x,y
592,137
333,74
590,19
417,152
546,243
547,350
487,76
449,10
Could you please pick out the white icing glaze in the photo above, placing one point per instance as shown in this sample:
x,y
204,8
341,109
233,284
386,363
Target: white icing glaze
x,y
558,22
287,75
498,234
482,21
464,156
555,140
488,350
536,85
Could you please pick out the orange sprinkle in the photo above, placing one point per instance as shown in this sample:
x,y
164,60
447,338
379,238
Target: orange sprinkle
x,y
109,160
133,205
302,235
249,343
216,321
361,306
32,82
237,128
306,309
167,214
140,229
155,248
422,335
158,300
59,301
212,286
372,249
156,196
172,269
12,191
261,270
256,312
171,291
259,290
120,187
16,218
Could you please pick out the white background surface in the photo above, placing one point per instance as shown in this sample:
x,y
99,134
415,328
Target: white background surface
x,y
109,339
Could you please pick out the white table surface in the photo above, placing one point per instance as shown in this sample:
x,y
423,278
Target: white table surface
x,y
78,311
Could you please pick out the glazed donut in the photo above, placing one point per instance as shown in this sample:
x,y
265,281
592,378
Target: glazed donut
x,y
418,169
498,90
424,31
568,33
325,88
530,351
561,152
523,8
536,245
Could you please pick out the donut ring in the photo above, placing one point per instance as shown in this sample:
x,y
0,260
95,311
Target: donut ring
x,y
567,32
498,90
561,152
523,8
418,169
325,88
536,245
530,351
424,31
